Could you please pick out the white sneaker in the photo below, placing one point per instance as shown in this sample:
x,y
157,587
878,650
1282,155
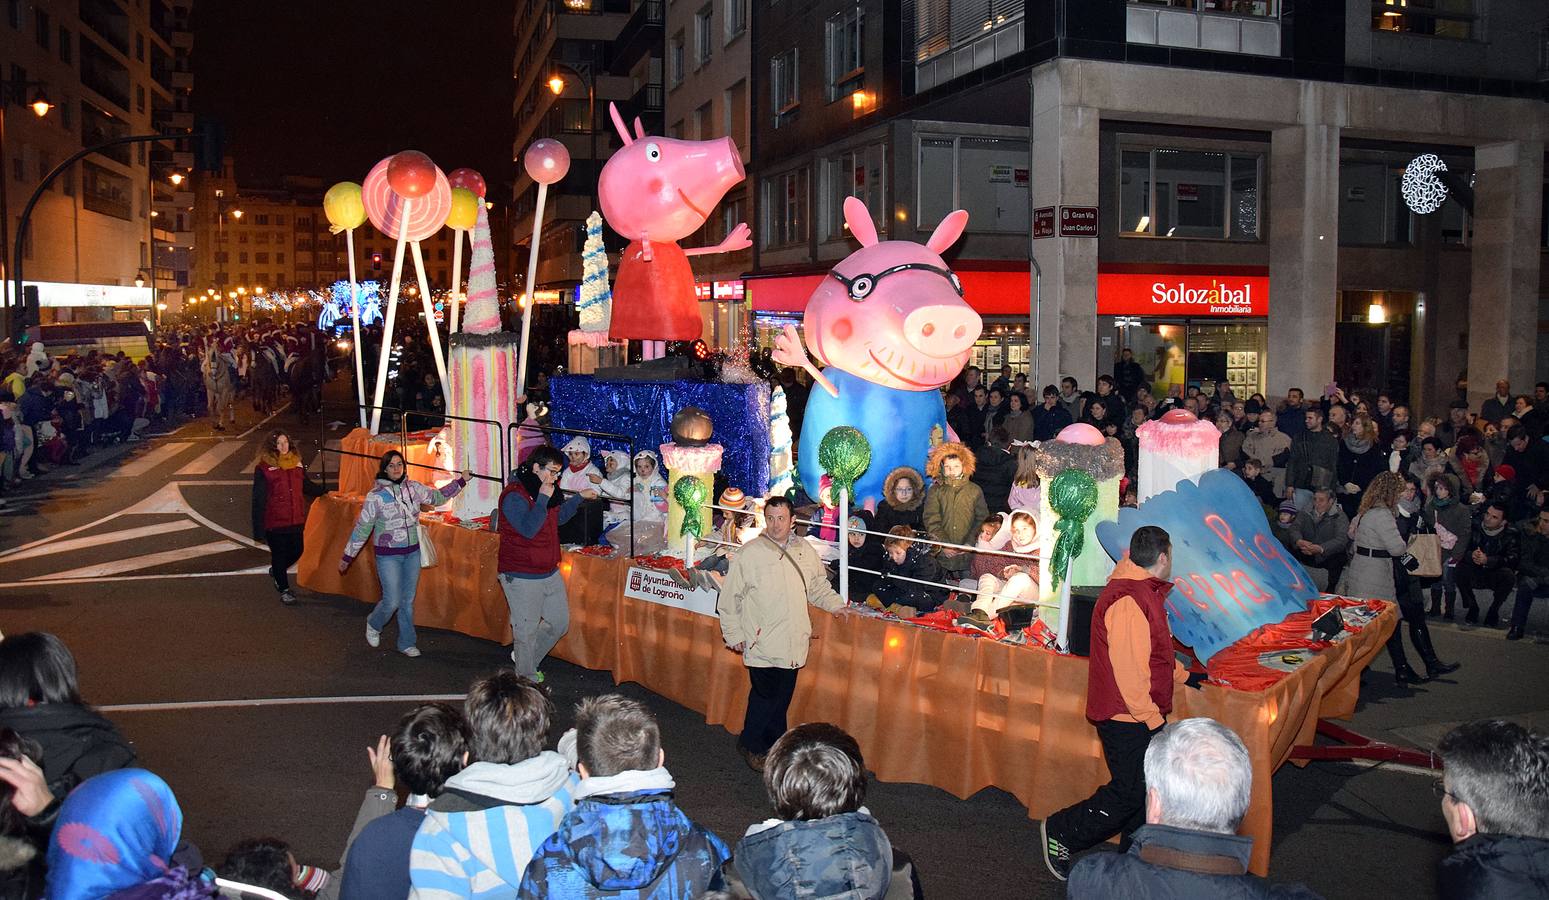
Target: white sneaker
x,y
373,637
412,652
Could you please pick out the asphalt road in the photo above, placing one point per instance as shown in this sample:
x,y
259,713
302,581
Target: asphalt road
x,y
259,715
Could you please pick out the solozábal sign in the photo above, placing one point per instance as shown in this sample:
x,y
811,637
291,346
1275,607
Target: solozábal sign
x,y
1173,294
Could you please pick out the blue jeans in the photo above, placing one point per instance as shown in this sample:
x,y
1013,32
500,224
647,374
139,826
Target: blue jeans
x,y
399,575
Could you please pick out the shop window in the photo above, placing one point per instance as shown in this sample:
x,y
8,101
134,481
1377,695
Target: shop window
x,y
1263,8
1191,194
1434,18
987,176
858,173
787,208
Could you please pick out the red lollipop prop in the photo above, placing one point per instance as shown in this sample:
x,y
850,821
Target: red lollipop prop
x,y
384,205
467,178
411,174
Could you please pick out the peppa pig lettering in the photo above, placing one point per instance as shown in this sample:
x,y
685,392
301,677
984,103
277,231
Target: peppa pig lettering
x,y
890,325
657,191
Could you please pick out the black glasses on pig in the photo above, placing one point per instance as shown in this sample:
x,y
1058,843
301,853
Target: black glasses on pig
x,y
861,286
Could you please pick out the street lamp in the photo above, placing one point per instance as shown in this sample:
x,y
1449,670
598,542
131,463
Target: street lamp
x,y
13,92
587,77
176,178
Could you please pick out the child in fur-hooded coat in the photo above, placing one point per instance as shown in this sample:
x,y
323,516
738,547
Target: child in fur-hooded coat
x,y
954,505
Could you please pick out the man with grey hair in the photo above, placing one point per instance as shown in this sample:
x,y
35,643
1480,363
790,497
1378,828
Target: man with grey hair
x,y
1495,798
1198,784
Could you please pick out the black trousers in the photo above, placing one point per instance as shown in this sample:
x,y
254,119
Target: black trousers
x,y
284,550
769,697
1498,581
1118,807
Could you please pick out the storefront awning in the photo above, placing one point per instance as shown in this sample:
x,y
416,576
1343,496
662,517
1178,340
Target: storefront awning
x,y
991,292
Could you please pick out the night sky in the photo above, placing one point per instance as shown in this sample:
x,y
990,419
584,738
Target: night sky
x,y
329,87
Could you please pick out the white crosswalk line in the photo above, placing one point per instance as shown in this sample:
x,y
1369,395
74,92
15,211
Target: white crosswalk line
x,y
97,540
143,464
141,562
209,459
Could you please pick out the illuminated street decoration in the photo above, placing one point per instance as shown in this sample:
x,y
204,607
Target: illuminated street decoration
x,y
1423,191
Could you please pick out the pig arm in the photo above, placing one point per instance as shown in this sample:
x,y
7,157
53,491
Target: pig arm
x,y
739,238
788,351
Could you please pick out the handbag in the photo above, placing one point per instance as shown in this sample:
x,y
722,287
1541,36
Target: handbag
x,y
1427,550
428,556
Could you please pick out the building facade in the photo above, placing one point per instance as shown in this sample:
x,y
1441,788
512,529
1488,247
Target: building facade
x,y
107,69
1216,185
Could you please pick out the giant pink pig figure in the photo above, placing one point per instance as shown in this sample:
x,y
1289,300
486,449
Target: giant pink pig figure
x,y
891,325
656,192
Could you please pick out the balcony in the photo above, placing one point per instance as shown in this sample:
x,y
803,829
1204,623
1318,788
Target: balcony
x,y
642,33
591,7
647,103
182,81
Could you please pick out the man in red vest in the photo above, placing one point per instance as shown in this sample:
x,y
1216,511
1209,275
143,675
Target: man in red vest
x,y
1128,696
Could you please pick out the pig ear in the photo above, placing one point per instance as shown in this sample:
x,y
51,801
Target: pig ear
x,y
858,217
618,122
947,233
639,130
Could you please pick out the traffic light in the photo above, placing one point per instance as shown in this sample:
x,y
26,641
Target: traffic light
x,y
376,262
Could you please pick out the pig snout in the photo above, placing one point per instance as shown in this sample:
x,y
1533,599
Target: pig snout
x,y
942,330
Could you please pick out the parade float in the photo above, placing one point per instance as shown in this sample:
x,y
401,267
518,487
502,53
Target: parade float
x,y
927,703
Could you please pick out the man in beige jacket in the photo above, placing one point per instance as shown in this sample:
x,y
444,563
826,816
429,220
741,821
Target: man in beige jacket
x,y
763,610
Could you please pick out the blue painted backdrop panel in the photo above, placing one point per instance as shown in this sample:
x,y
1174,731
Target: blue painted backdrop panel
x,y
1230,575
644,410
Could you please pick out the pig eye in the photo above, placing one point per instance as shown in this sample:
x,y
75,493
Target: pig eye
x,y
653,152
861,287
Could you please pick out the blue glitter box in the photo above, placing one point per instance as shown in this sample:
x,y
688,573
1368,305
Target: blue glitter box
x,y
644,410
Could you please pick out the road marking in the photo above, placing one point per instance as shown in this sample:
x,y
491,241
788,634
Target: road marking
x,y
254,570
279,701
263,420
151,460
97,540
140,562
211,458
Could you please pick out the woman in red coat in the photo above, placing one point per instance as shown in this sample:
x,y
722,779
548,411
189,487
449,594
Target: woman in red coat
x,y
280,486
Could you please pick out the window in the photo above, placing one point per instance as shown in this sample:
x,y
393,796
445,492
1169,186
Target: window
x,y
704,40
1434,18
65,44
242,238
139,98
987,176
440,254
260,258
786,209
279,218
279,259
222,256
857,173
139,47
704,125
66,115
844,52
737,113
13,13
261,219
1233,7
736,13
1189,193
783,87
262,238
242,257
43,27
104,191
675,60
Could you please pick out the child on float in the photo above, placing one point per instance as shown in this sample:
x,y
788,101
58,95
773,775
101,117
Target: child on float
x,y
866,555
615,488
904,558
736,529
1015,578
586,526
650,503
903,499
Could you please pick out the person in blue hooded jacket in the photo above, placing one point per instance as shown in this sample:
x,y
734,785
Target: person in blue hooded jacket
x,y
625,837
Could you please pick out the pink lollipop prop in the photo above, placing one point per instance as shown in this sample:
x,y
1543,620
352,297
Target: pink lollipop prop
x,y
385,207
467,178
546,162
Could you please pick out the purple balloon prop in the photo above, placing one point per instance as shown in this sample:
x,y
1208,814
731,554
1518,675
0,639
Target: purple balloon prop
x,y
546,161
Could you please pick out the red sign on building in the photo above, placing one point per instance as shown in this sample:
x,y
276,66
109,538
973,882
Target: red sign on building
x,y
1043,222
1078,221
1182,293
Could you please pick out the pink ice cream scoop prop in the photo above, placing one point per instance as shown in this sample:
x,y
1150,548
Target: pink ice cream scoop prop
x,y
657,191
891,326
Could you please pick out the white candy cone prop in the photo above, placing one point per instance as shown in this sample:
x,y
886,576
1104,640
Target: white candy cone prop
x,y
1177,446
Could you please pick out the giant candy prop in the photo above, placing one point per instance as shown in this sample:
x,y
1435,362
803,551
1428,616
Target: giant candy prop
x,y
1230,575
483,385
890,324
1080,471
467,195
692,462
657,191
408,199
346,211
1177,446
546,162
779,444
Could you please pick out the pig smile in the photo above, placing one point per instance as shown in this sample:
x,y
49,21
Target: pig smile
x,y
690,204
932,371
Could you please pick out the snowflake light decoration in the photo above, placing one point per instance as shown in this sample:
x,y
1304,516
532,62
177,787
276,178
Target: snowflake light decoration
x,y
1423,191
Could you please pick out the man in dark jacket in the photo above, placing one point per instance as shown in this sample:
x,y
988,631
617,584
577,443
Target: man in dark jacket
x,y
1128,375
995,470
1529,458
1314,459
1322,538
1199,780
1129,695
1532,572
1290,419
1495,798
1051,416
1492,564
